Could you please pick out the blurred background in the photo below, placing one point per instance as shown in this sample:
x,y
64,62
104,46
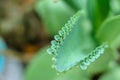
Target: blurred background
x,y
26,29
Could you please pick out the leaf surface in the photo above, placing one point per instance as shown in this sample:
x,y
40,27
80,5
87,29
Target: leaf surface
x,y
97,12
110,31
73,45
54,14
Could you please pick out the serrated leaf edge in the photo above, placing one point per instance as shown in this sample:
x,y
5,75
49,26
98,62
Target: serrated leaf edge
x,y
58,39
95,54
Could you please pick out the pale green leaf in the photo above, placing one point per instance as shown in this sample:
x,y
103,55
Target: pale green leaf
x,y
115,7
76,4
40,68
102,64
113,74
73,45
54,14
74,74
110,31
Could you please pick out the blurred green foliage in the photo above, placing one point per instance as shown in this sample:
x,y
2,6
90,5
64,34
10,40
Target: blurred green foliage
x,y
97,11
41,61
54,14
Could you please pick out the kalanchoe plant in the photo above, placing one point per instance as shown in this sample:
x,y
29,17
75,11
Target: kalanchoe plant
x,y
89,41
73,45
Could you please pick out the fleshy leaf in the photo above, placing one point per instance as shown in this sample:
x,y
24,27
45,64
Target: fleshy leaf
x,y
110,31
54,14
115,7
76,4
40,67
73,44
112,74
98,11
74,74
101,64
92,56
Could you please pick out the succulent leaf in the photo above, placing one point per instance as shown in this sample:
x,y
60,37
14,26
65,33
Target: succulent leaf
x,y
93,56
74,45
54,14
110,31
98,11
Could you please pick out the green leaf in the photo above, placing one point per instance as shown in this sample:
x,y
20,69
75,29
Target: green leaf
x,y
113,74
115,7
95,54
102,64
74,74
98,11
40,68
76,4
110,31
73,45
54,13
